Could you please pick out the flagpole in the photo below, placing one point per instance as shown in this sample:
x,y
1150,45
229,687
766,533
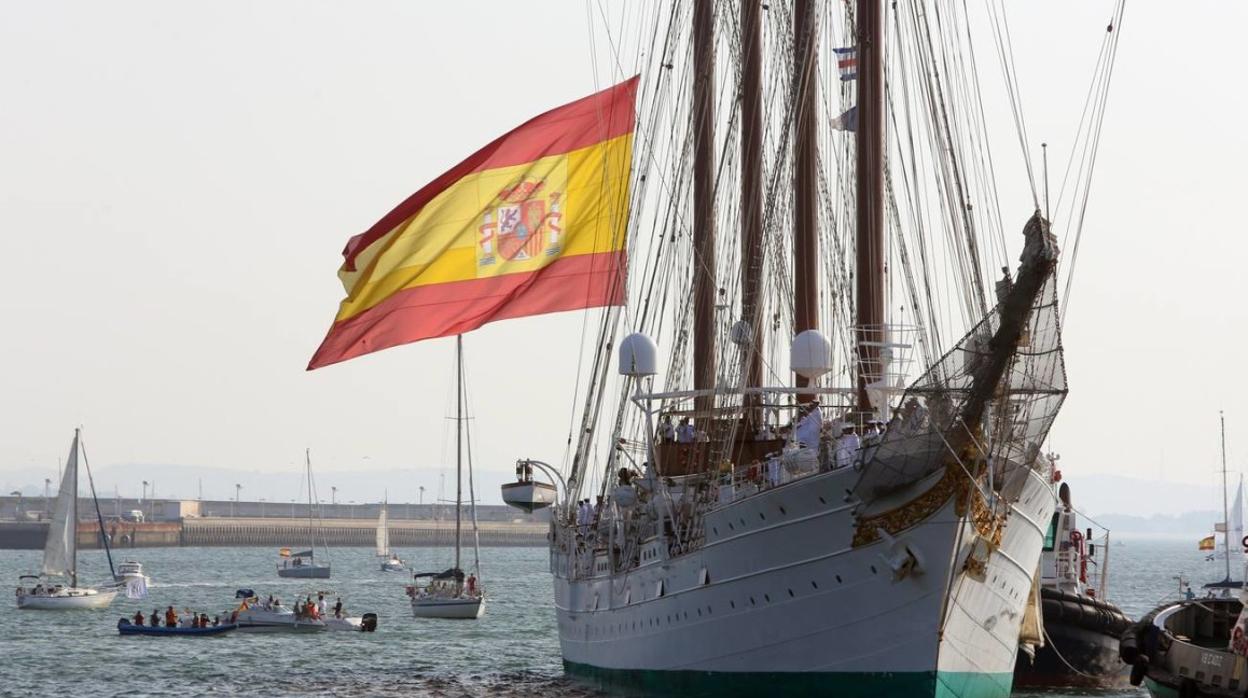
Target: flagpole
x,y
1226,514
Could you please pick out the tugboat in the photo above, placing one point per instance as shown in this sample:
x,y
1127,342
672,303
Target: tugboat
x,y
1196,646
1080,628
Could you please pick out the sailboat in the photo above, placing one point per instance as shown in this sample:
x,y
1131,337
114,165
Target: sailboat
x,y
302,564
1231,529
60,552
391,561
451,593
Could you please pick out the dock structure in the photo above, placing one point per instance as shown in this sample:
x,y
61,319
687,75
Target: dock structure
x,y
172,523
353,532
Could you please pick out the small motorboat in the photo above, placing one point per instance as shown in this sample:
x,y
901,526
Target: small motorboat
x,y
366,623
125,627
131,570
254,617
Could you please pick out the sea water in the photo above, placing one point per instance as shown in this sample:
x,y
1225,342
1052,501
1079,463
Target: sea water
x,y
512,651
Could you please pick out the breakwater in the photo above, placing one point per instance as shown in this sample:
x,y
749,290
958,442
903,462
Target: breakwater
x,y
211,531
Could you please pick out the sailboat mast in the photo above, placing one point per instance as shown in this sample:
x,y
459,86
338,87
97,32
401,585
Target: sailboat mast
x,y
459,438
704,284
1226,513
870,214
805,173
72,519
752,198
307,459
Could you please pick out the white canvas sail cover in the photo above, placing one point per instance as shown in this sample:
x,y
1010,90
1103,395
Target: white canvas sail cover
x,y
61,549
383,534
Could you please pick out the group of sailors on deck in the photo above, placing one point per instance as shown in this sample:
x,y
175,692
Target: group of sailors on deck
x,y
845,445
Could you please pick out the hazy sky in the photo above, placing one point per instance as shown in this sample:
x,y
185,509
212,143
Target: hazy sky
x,y
177,181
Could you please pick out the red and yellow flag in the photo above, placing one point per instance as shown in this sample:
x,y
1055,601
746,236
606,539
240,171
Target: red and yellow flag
x,y
531,223
1207,543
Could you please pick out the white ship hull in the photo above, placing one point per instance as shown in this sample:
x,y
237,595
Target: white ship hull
x,y
777,598
67,599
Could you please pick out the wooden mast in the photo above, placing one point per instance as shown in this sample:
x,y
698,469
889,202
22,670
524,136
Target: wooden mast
x,y
870,214
752,199
805,173
704,284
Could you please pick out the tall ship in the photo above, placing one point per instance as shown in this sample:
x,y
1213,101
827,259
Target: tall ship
x,y
785,477
836,481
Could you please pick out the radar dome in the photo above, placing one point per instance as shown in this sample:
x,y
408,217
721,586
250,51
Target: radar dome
x,y
638,356
811,354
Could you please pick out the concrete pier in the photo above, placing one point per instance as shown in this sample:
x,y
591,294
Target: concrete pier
x,y
270,532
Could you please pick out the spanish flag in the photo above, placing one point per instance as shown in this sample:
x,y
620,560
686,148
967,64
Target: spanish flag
x,y
531,223
1207,543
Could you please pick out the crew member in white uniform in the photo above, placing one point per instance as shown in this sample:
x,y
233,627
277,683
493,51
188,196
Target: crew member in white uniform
x,y
810,427
847,446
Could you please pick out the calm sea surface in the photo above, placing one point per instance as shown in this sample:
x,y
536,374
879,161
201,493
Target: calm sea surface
x,y
512,651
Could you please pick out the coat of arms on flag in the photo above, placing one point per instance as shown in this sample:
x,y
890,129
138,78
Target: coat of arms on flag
x,y
1207,543
525,224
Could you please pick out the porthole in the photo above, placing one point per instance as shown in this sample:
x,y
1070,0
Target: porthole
x,y
761,517
813,585
767,598
872,569
751,600
822,500
790,593
838,579
782,511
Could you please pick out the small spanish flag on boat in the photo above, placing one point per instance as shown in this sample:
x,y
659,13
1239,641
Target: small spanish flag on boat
x,y
1207,543
532,223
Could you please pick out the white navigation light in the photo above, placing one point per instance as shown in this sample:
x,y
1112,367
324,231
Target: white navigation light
x,y
811,354
638,356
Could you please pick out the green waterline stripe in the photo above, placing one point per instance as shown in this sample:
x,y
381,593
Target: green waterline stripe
x,y
919,684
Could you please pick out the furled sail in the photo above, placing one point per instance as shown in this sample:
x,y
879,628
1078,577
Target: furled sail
x,y
61,549
383,534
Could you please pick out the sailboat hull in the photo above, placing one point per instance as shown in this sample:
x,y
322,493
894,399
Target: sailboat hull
x,y
778,598
304,572
67,599
455,609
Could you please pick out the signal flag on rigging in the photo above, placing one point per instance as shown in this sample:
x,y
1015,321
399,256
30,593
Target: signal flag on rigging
x,y
531,223
847,61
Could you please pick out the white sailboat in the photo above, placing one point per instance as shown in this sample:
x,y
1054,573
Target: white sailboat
x,y
303,564
451,593
60,553
391,561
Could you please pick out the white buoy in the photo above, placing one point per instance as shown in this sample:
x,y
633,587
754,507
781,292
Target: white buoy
x,y
638,356
810,355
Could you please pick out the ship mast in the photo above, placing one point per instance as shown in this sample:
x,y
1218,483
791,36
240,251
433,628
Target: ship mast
x,y
704,285
805,174
870,213
751,199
